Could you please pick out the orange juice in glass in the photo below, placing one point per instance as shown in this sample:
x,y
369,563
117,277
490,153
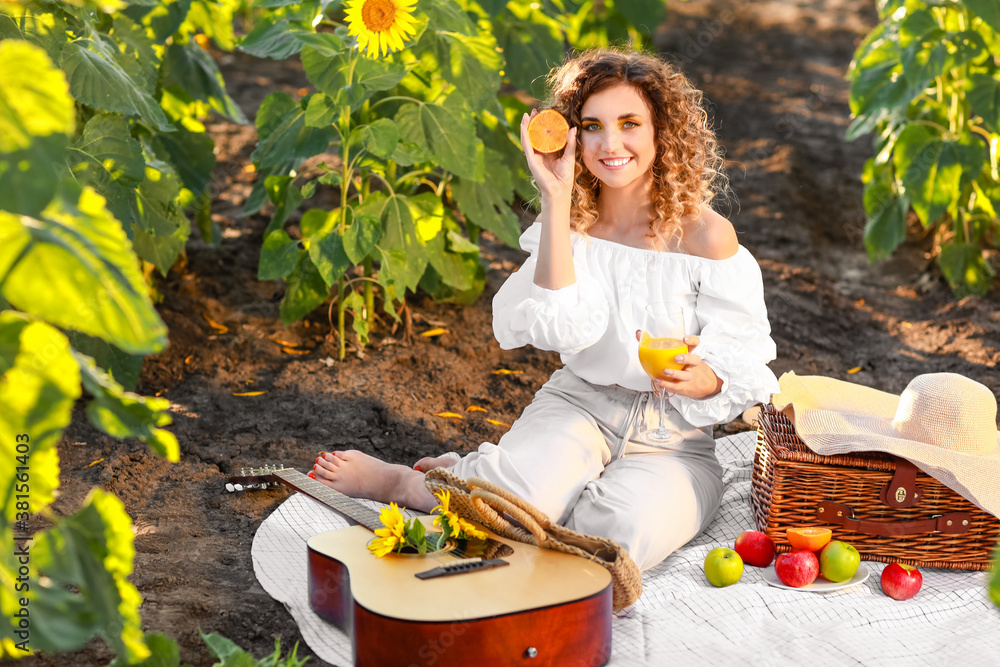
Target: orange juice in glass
x,y
657,354
660,341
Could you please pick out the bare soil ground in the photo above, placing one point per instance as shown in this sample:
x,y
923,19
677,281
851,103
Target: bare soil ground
x,y
773,72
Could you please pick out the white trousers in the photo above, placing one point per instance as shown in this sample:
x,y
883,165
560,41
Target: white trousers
x,y
574,454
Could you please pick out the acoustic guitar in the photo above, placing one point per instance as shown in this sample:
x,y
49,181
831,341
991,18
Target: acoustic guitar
x,y
493,602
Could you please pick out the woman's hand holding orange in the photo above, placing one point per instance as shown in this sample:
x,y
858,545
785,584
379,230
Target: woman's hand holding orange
x,y
553,175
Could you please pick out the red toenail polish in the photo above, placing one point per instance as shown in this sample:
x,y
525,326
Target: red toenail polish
x,y
317,459
418,468
312,474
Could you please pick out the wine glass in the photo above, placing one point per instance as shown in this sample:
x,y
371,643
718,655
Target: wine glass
x,y
661,339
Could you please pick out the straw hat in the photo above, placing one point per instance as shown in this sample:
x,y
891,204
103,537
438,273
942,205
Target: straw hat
x,y
944,423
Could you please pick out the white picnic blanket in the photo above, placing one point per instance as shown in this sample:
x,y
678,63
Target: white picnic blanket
x,y
682,620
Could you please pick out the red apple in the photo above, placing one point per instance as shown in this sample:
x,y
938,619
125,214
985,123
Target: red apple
x,y
901,582
755,548
797,568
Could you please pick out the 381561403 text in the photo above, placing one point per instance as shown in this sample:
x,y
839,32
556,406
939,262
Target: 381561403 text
x,y
21,618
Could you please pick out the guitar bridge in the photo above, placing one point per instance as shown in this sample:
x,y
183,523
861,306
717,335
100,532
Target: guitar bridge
x,y
461,567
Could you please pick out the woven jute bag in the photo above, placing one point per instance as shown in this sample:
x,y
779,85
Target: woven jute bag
x,y
478,500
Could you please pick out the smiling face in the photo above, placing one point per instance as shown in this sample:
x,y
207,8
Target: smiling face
x,y
617,136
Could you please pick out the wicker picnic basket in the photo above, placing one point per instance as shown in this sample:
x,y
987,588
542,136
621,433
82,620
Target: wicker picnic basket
x,y
888,509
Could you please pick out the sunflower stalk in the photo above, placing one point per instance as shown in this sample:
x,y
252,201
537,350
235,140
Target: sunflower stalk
x,y
345,131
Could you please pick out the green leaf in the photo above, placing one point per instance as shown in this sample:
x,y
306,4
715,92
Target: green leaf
x,y
74,267
645,15
107,158
460,244
934,171
123,414
283,135
330,75
362,235
305,290
877,87
917,26
447,132
925,60
229,653
984,99
323,43
46,31
278,256
164,652
191,153
276,39
470,62
377,74
378,138
97,80
215,19
28,177
140,58
39,382
994,584
457,270
987,10
123,367
322,111
285,197
190,68
161,229
965,268
355,303
34,97
885,227
91,551
434,285
407,153
160,250
485,203
317,221
529,50
165,18
328,254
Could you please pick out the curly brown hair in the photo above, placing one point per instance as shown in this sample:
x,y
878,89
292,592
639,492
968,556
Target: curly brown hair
x,y
688,167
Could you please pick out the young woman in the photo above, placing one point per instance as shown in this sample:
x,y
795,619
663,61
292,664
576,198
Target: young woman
x,y
625,220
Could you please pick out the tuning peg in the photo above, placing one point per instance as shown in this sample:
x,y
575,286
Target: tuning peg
x,y
229,487
238,487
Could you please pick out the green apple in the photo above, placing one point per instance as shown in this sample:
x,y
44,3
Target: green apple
x,y
723,567
838,561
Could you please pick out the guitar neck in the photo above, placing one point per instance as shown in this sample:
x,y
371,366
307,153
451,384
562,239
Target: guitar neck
x,y
346,505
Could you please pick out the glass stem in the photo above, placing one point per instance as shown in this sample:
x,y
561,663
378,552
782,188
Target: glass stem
x,y
661,400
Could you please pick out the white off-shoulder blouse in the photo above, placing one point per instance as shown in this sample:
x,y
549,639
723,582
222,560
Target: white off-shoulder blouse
x,y
592,323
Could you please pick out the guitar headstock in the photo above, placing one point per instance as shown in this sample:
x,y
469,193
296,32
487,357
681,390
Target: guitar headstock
x,y
255,478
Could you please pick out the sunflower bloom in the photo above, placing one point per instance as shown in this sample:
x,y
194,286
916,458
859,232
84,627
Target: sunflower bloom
x,y
457,527
392,536
380,25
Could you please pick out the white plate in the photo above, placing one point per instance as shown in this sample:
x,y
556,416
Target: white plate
x,y
820,585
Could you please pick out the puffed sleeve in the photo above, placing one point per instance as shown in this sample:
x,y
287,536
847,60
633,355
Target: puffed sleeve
x,y
565,320
735,341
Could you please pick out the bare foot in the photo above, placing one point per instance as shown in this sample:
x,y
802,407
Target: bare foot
x,y
358,475
428,463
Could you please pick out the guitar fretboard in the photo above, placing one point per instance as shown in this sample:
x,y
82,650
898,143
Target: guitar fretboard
x,y
346,505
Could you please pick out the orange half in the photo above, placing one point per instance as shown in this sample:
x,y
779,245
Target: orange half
x,y
808,539
547,131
